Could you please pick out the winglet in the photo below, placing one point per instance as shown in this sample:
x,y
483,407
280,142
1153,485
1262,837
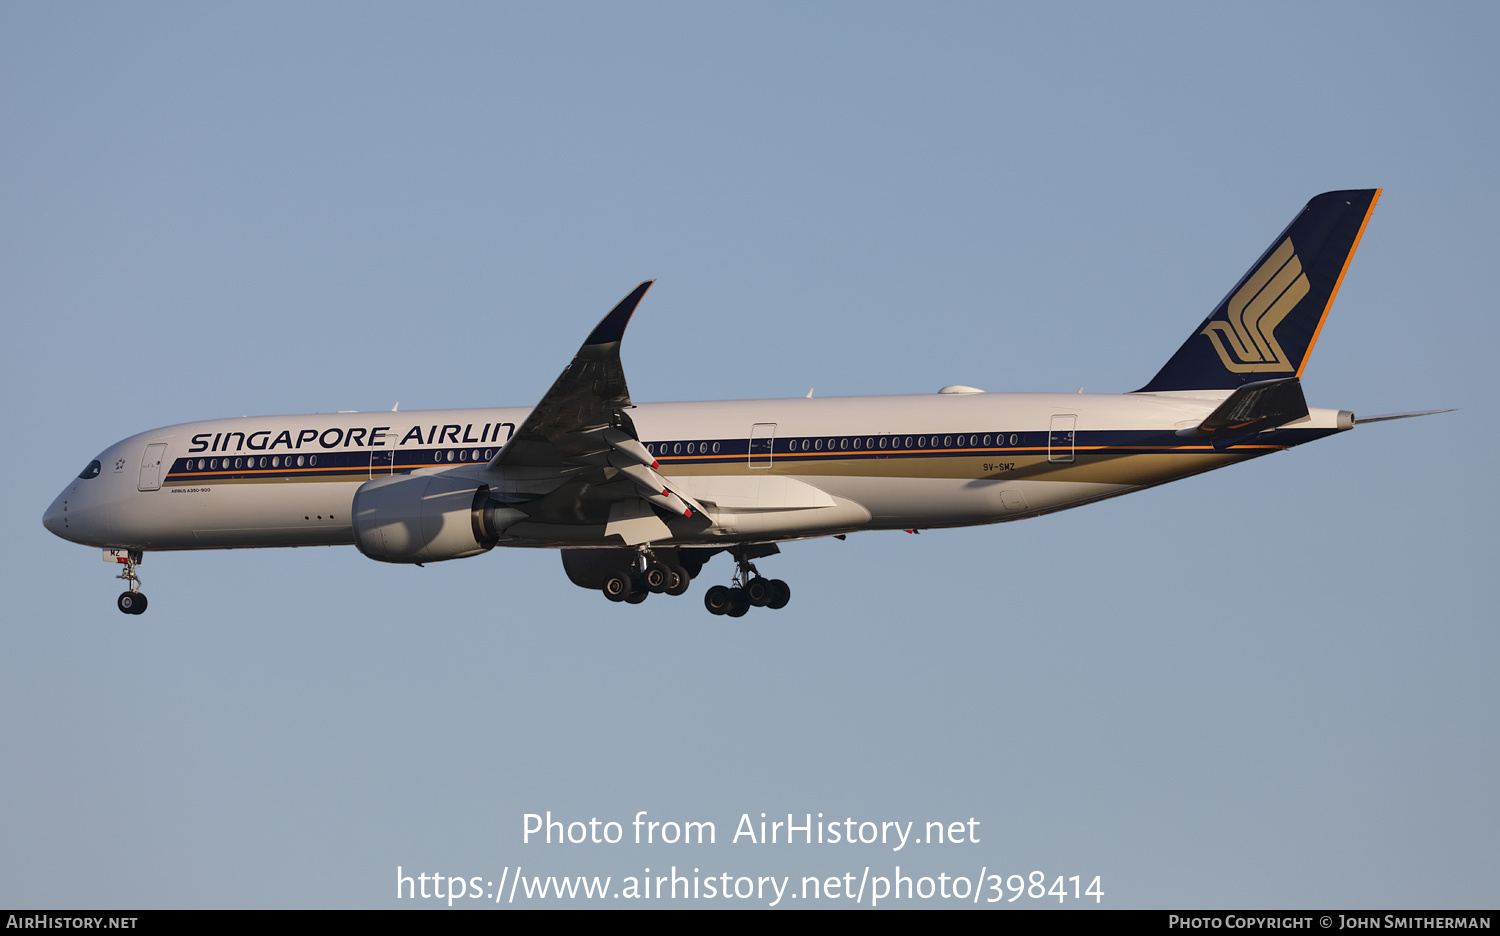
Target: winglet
x,y
612,327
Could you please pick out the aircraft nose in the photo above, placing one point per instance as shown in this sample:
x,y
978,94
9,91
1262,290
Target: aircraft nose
x,y
56,516
65,518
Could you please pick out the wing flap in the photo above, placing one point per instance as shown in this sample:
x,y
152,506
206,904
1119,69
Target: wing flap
x,y
635,523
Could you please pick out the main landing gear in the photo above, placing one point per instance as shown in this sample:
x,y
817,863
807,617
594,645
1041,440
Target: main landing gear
x,y
672,570
646,577
746,589
133,600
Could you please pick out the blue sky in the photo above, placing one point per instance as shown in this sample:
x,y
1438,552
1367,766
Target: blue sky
x,y
1269,686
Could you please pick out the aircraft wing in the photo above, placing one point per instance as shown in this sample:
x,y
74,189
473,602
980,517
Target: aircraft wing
x,y
588,397
581,447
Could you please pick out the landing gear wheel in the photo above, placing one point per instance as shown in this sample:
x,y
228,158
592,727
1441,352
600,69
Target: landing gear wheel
x,y
657,577
781,593
739,602
677,581
716,600
758,592
637,597
617,586
131,602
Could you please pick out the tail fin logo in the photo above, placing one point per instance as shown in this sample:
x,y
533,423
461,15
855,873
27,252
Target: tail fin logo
x,y
1246,342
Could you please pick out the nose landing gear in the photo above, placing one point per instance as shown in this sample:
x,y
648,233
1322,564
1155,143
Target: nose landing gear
x,y
132,600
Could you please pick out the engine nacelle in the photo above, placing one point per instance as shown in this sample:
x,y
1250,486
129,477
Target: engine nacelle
x,y
425,518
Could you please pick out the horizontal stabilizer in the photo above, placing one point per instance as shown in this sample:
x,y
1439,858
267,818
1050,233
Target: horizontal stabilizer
x,y
1252,408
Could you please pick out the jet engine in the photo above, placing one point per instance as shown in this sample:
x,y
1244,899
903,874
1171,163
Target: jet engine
x,y
427,518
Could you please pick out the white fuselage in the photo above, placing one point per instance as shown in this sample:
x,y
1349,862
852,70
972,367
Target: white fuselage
x,y
765,470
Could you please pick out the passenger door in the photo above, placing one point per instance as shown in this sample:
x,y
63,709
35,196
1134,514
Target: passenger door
x,y
151,467
1060,439
762,440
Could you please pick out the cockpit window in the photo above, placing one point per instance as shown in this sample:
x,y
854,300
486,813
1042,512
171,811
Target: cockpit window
x,y
92,471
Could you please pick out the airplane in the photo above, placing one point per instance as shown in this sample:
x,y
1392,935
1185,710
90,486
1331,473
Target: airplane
x,y
637,497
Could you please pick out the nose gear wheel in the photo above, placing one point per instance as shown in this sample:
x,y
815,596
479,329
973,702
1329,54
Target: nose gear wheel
x,y
133,600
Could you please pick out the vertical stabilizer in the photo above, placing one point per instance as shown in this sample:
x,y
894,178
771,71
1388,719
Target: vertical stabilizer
x,y
1266,327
